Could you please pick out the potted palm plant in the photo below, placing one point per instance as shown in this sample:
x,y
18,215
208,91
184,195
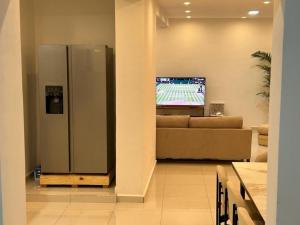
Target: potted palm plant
x,y
265,59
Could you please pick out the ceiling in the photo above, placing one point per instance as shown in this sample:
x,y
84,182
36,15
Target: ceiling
x,y
216,8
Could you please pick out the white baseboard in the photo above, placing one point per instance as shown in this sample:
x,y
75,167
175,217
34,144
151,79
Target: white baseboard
x,y
137,198
149,178
130,198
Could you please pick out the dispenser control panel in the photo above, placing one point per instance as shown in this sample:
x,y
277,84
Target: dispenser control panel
x,y
54,100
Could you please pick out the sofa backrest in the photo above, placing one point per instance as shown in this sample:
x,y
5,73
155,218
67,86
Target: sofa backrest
x,y
170,121
231,122
263,129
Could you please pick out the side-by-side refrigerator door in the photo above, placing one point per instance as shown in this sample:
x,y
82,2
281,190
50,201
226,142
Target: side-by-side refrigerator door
x,y
53,107
88,109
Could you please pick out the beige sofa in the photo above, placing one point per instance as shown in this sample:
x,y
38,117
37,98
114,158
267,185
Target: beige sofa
x,y
185,137
263,135
263,139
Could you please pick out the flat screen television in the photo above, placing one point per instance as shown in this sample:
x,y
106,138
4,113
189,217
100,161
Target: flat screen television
x,y
180,91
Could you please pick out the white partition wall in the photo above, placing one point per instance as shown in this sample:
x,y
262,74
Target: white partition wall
x,y
1,209
284,155
135,96
11,116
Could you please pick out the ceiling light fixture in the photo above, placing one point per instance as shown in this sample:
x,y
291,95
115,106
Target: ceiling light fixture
x,y
188,11
253,12
188,17
186,3
244,17
267,2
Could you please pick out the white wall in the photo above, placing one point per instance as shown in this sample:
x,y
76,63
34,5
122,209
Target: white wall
x,y
1,208
135,74
275,102
75,22
29,80
220,50
283,177
149,92
12,150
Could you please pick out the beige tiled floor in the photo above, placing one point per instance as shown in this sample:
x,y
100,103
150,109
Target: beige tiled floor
x,y
180,193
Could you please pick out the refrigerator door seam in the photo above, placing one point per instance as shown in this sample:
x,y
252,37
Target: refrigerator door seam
x,y
70,111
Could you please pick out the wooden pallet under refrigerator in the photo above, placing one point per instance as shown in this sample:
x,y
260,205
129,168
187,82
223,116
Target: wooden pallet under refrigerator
x,y
77,179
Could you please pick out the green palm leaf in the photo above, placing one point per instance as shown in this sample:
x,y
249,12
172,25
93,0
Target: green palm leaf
x,y
263,56
265,60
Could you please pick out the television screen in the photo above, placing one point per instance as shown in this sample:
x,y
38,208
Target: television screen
x,y
180,91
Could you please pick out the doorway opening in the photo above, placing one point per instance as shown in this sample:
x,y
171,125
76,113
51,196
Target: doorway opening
x,y
85,32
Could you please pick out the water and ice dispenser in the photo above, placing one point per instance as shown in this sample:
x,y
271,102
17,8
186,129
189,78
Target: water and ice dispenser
x,y
54,100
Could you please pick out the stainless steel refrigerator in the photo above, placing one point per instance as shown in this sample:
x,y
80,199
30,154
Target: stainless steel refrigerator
x,y
77,109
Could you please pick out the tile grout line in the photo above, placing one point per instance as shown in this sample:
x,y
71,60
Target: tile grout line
x,y
163,197
61,215
69,204
111,215
207,195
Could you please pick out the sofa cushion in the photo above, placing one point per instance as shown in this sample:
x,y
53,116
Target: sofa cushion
x,y
263,129
262,157
180,121
263,140
216,122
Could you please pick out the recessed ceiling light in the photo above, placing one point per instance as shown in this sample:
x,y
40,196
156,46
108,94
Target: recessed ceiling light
x,y
253,12
267,2
188,17
186,3
188,11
